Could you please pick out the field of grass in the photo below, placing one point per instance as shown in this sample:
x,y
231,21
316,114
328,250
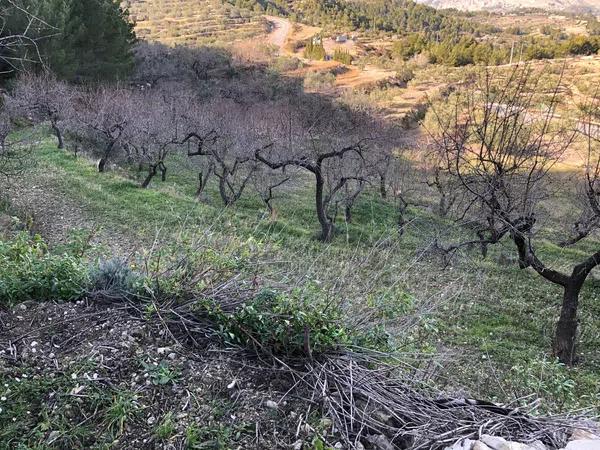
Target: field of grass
x,y
483,326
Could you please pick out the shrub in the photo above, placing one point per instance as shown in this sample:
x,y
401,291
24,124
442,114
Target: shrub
x,y
319,80
342,56
286,64
284,324
314,51
113,278
28,271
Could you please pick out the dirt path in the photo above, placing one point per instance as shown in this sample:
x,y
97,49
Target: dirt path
x,y
55,216
280,32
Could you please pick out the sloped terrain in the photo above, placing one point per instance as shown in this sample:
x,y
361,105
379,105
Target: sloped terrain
x,y
506,5
193,22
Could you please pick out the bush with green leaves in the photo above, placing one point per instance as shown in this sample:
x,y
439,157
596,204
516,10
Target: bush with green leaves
x,y
342,56
29,271
114,278
278,323
314,50
549,380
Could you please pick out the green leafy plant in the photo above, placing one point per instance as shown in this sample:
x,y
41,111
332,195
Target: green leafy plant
x,y
166,428
29,271
548,379
113,278
294,323
160,373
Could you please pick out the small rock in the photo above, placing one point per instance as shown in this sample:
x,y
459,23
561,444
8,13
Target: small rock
x,y
297,445
494,442
478,445
580,434
379,442
338,445
359,446
151,420
271,404
583,444
172,355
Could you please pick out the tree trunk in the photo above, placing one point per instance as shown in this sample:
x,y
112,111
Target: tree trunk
x,y
102,165
566,327
326,225
163,172
382,186
201,185
227,201
151,174
58,135
348,213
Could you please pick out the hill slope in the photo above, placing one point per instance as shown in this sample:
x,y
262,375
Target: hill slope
x,y
506,5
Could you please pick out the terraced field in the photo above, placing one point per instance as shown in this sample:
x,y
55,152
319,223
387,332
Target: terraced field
x,y
194,22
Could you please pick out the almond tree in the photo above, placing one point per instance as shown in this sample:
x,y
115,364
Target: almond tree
x,y
500,148
45,98
104,116
319,139
152,134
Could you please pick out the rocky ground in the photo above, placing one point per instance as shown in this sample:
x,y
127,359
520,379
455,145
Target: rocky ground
x,y
221,398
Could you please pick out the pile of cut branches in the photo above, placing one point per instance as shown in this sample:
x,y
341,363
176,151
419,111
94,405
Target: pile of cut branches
x,y
364,402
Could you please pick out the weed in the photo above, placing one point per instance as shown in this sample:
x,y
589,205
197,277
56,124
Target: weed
x,y
28,271
161,373
166,427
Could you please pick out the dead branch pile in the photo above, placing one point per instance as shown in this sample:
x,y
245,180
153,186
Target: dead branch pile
x,y
367,402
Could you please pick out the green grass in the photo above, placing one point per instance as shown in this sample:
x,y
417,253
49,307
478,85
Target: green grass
x,y
54,412
491,319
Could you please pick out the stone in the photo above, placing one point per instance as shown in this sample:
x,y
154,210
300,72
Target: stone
x,y
271,404
478,445
584,444
494,442
379,442
463,444
581,434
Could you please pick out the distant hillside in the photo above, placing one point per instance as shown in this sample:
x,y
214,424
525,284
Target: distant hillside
x,y
506,5
194,22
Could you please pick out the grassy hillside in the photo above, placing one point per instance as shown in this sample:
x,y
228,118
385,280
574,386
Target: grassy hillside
x,y
485,324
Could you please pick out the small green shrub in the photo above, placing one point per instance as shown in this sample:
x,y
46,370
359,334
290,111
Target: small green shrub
x,y
286,64
319,80
28,271
342,56
113,278
314,50
549,380
281,323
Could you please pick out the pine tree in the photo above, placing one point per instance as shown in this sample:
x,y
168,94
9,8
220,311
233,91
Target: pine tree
x,y
97,41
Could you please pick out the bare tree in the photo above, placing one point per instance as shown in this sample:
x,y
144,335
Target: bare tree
x,y
152,134
14,152
266,181
104,116
500,147
224,134
44,98
319,139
